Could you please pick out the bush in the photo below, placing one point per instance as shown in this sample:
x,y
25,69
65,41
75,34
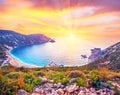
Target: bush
x,y
14,75
28,78
22,69
86,72
28,87
75,74
81,82
97,84
93,76
37,82
8,88
65,81
117,92
39,73
57,77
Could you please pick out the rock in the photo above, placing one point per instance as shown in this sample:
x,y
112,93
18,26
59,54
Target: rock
x,y
71,88
73,80
117,79
35,94
59,85
81,93
60,91
22,92
44,80
38,90
51,81
105,85
92,90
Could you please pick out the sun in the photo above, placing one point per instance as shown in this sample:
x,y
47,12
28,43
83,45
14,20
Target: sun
x,y
72,36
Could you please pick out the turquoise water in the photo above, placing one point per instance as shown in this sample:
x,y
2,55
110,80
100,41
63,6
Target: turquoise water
x,y
65,51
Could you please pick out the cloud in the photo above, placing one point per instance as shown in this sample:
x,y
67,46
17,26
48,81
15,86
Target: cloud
x,y
80,13
61,17
108,5
101,20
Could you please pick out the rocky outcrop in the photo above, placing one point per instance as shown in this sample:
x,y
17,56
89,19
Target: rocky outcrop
x,y
109,57
95,54
14,39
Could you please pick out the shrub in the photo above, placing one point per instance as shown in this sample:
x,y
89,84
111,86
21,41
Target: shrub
x,y
86,72
97,84
22,69
93,76
28,78
8,88
57,77
75,74
14,75
36,82
39,73
28,87
117,92
64,81
81,82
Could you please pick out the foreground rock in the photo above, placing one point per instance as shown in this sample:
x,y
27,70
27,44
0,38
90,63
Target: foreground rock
x,y
59,89
22,92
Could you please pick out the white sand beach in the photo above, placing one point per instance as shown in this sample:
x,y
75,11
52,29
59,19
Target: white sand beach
x,y
16,63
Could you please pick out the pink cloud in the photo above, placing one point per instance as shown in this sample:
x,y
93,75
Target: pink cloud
x,y
81,12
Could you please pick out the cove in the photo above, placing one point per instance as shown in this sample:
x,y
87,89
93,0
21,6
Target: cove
x,y
62,52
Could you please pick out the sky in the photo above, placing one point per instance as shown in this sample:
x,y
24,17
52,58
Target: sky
x,y
86,19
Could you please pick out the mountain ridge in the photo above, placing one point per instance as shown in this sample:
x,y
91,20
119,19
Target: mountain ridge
x,y
13,39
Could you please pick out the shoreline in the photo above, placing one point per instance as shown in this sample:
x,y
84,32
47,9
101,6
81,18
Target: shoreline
x,y
16,63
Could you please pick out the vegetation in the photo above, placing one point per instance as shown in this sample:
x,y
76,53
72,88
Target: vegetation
x,y
12,79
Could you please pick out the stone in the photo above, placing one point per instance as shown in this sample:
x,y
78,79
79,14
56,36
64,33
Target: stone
x,y
35,94
38,90
60,91
81,93
22,92
105,85
44,80
92,89
57,89
71,88
51,81
73,80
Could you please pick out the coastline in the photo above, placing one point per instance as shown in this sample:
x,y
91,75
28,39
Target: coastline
x,y
16,63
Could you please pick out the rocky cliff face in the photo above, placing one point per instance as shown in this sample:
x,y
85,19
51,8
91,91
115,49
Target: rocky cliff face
x,y
14,39
10,39
95,54
109,57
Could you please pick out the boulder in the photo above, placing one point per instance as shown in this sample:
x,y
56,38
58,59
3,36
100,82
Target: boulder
x,y
35,94
44,79
71,88
73,80
22,92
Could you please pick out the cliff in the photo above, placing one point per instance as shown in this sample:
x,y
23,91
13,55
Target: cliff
x,y
109,57
14,39
10,39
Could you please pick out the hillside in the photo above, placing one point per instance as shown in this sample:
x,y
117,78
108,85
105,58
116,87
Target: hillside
x,y
10,39
14,39
109,57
